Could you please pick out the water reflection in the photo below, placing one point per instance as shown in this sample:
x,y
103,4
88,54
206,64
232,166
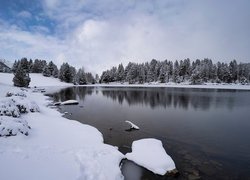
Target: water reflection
x,y
200,128
73,93
202,99
173,97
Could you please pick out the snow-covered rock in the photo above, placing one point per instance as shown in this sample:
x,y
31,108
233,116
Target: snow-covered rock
x,y
10,126
69,102
150,154
57,104
132,125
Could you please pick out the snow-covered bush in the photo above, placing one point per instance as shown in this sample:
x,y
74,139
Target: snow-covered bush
x,y
10,126
17,103
20,93
21,103
9,108
33,107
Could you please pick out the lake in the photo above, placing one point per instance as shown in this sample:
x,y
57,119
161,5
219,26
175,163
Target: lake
x,y
205,131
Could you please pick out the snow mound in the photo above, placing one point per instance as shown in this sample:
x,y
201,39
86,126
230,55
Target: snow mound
x,y
69,102
10,126
150,154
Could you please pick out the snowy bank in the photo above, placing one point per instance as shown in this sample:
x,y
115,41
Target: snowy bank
x,y
54,147
175,85
150,154
37,79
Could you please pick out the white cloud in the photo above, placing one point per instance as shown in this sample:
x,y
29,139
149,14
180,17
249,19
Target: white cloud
x,y
24,14
100,34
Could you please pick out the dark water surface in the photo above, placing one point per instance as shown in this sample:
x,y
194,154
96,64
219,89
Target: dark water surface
x,y
205,131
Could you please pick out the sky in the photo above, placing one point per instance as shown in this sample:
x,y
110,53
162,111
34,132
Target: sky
x,y
99,34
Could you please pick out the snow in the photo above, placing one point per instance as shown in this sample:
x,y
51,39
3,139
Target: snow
x,y
44,145
69,102
37,79
150,154
132,125
175,85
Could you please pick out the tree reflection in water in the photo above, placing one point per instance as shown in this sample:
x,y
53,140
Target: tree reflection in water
x,y
172,97
184,98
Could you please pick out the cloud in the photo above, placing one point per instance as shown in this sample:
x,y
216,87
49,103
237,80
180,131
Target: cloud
x,y
100,34
24,14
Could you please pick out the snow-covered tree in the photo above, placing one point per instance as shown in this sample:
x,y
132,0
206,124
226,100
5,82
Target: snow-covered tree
x,y
38,66
132,74
67,73
15,66
21,76
120,73
81,77
50,70
233,69
141,74
46,71
90,78
176,71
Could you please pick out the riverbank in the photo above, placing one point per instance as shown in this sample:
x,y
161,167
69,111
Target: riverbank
x,y
38,143
54,147
176,85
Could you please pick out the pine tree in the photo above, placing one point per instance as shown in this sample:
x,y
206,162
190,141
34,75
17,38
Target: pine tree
x,y
46,71
67,73
90,78
120,73
21,76
55,72
105,77
176,70
81,77
163,72
233,69
15,66
132,74
141,74
97,79
196,75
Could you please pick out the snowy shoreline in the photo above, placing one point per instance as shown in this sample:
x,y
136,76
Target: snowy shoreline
x,y
54,147
174,85
52,143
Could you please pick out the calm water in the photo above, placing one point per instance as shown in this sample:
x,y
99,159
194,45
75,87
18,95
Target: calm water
x,y
206,132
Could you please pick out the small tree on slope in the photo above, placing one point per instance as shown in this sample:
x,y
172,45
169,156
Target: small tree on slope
x,y
21,77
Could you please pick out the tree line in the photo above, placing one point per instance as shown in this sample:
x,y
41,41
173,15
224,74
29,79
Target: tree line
x,y
194,72
66,73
